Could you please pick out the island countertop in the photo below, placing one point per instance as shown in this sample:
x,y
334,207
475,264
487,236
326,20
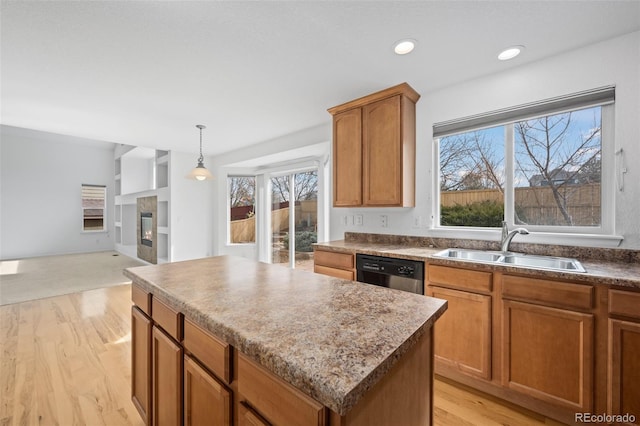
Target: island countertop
x,y
331,338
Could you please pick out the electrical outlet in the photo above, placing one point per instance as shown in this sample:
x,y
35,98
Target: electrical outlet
x,y
384,220
358,220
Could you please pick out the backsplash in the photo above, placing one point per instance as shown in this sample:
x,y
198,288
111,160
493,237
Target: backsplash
x,y
580,253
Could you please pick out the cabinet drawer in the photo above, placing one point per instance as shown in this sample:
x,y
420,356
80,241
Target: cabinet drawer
x,y
276,400
212,352
141,299
333,272
624,303
167,318
553,293
333,259
460,278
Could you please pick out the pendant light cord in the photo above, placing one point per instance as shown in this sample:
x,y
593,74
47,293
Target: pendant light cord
x,y
201,158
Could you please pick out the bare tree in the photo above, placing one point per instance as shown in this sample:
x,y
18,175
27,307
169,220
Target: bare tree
x,y
470,161
306,187
548,152
242,191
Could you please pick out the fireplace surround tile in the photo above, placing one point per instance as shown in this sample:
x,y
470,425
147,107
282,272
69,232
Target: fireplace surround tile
x,y
148,205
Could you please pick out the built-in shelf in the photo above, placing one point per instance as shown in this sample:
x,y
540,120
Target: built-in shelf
x,y
163,247
141,172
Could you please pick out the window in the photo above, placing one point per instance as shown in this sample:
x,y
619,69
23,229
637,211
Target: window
x,y
242,209
542,170
94,200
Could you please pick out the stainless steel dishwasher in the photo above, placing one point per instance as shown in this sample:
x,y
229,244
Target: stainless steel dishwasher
x,y
400,274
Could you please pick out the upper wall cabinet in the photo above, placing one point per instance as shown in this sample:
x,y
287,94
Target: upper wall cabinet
x,y
374,139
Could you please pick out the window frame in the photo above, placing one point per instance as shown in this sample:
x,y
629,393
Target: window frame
x,y
602,234
82,209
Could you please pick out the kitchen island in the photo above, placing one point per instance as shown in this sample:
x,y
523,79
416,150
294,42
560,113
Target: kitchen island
x,y
283,343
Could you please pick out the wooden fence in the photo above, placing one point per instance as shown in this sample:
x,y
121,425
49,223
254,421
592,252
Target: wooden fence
x,y
536,205
244,230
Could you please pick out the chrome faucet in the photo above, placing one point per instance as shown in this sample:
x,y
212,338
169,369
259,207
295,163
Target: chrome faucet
x,y
508,236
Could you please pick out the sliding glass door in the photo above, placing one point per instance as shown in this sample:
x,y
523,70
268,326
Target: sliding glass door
x,y
294,218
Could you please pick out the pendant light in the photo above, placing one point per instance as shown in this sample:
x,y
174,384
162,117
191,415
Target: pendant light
x,y
200,172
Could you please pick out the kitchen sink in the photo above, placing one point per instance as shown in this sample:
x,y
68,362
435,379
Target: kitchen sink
x,y
514,259
474,255
543,262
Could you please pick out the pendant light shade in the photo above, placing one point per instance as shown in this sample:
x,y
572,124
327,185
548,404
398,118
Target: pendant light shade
x,y
200,172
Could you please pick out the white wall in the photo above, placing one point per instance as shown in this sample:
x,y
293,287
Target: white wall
x,y
40,192
616,61
191,212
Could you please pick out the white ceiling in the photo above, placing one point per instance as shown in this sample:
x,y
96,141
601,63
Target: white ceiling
x,y
145,73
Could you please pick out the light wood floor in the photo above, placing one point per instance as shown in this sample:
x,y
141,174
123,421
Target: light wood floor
x,y
66,361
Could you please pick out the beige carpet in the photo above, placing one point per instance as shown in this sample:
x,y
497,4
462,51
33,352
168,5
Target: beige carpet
x,y
40,277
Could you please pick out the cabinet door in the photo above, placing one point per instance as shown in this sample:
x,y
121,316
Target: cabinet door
x,y
548,354
167,380
382,153
463,334
347,158
141,363
624,368
206,401
248,417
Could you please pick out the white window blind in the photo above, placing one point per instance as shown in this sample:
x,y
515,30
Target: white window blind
x,y
94,199
600,96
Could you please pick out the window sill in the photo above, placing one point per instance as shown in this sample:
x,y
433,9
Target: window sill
x,y
563,239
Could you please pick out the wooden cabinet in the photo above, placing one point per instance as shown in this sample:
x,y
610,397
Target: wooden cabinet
x,y
374,149
463,334
182,374
347,158
548,353
334,264
141,327
248,417
623,354
206,400
548,345
463,338
166,379
274,399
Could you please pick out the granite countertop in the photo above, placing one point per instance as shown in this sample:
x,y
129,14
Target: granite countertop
x,y
603,272
331,338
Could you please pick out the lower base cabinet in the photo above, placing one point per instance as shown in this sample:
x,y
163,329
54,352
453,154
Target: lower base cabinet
x,y
548,353
333,264
166,380
141,329
276,400
190,377
248,417
624,356
468,317
206,400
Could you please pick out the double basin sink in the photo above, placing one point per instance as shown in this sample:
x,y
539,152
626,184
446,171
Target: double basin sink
x,y
514,259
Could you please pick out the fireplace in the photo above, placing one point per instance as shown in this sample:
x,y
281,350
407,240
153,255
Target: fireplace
x,y
146,229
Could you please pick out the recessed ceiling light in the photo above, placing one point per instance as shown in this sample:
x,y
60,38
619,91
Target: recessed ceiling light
x,y
510,53
402,47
